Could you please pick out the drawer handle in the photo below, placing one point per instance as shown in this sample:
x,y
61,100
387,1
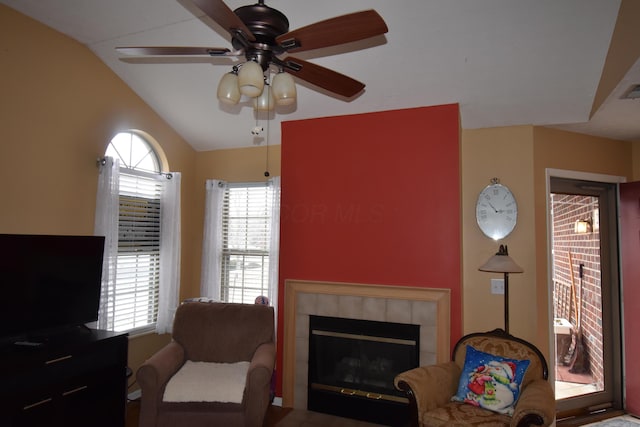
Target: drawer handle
x,y
59,359
347,392
375,396
75,390
33,405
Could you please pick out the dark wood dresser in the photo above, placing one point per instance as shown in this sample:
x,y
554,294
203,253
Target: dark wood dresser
x,y
70,379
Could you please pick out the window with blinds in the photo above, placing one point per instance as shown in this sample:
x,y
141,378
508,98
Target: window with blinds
x,y
246,230
135,303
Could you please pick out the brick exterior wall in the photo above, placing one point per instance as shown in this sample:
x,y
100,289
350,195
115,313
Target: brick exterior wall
x,y
583,249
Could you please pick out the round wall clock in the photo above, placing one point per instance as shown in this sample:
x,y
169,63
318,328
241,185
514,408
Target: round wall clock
x,y
496,210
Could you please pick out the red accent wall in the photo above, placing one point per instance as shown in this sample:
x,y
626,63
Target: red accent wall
x,y
373,198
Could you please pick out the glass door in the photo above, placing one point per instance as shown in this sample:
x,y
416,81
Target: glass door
x,y
585,296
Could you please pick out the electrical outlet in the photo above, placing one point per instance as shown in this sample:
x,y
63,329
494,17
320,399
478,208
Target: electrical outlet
x,y
497,286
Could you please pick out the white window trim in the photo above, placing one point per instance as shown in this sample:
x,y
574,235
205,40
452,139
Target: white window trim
x,y
212,240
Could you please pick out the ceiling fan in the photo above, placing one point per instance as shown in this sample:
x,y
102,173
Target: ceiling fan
x,y
261,34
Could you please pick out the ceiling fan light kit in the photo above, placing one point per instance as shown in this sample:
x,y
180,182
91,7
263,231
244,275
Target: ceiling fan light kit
x,y
261,34
228,89
281,92
251,79
283,89
265,101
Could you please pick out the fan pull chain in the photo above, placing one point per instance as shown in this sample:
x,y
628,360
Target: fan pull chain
x,y
266,172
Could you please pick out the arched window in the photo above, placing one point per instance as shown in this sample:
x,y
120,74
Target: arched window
x,y
134,152
133,300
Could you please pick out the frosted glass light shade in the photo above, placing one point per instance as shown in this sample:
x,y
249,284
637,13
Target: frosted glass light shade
x,y
501,262
265,101
251,79
228,91
283,89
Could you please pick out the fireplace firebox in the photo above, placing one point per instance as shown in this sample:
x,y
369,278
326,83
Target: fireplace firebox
x,y
352,364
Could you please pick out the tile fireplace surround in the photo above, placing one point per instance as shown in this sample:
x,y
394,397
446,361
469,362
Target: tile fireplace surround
x,y
427,307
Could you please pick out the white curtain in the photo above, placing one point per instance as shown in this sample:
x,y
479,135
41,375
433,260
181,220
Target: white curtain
x,y
212,240
274,250
106,224
169,252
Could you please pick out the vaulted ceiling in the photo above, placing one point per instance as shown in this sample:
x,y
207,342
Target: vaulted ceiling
x,y
554,63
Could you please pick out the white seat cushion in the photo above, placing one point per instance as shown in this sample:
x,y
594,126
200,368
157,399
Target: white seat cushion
x,y
207,382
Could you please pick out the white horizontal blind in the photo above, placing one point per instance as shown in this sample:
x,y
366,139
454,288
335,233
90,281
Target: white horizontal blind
x,y
138,265
246,230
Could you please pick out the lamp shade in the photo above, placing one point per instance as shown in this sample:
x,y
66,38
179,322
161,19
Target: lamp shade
x,y
251,79
228,91
284,89
265,101
501,262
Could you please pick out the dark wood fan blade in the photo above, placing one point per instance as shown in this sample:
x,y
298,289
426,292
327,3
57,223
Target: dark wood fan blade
x,y
173,50
323,77
225,17
341,29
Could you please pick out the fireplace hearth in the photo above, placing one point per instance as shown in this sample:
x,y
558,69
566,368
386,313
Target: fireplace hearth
x,y
352,364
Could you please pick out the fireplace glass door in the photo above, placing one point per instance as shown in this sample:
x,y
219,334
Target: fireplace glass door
x,y
352,364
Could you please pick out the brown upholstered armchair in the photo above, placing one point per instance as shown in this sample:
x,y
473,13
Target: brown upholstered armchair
x,y
430,388
216,370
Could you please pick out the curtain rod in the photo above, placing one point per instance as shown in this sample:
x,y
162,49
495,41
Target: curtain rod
x,y
102,161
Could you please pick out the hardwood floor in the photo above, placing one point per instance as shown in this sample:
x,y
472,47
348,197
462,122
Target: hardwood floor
x,y
133,412
580,420
274,414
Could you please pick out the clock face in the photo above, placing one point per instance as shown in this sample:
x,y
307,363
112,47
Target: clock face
x,y
496,211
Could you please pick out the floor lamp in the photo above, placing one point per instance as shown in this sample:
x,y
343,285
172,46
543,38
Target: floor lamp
x,y
501,262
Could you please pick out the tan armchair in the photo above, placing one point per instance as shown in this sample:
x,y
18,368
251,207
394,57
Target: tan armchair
x,y
223,336
430,388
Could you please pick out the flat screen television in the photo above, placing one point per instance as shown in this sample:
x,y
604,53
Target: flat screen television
x,y
48,283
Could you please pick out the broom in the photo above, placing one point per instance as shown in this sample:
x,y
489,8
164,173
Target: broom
x,y
580,361
568,357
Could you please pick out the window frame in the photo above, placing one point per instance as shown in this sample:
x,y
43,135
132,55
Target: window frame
x,y
248,293
136,286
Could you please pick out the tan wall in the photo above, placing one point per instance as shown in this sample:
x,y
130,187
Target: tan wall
x,y
519,156
505,153
59,107
239,165
635,158
555,149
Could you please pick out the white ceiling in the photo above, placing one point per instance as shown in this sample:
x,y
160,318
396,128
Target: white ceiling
x,y
506,62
